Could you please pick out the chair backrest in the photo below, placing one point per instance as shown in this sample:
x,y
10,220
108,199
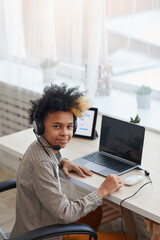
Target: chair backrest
x,y
4,186
7,184
47,231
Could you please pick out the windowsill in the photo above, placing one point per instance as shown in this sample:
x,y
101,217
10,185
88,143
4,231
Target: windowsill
x,y
31,78
123,105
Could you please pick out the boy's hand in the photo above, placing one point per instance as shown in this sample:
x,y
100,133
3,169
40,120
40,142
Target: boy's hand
x,y
111,184
70,166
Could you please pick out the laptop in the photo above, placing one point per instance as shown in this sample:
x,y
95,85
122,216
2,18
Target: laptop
x,y
120,148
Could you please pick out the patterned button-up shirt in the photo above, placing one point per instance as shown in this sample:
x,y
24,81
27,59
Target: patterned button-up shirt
x,y
40,201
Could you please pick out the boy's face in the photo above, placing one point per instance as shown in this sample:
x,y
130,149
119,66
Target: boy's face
x,y
58,128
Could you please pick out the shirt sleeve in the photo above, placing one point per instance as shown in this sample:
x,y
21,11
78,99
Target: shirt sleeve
x,y
46,187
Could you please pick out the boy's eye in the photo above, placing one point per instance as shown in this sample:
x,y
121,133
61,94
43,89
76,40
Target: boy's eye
x,y
56,126
70,126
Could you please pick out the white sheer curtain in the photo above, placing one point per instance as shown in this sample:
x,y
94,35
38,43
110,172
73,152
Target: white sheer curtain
x,y
12,34
3,49
39,29
96,42
71,32
80,32
65,31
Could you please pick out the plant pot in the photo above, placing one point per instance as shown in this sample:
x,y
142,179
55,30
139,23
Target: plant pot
x,y
143,101
49,74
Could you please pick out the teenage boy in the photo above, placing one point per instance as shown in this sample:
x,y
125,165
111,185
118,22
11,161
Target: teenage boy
x,y
40,201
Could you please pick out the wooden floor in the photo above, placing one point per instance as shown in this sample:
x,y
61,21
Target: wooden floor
x,y
7,202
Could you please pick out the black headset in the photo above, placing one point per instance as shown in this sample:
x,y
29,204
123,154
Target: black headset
x,y
38,126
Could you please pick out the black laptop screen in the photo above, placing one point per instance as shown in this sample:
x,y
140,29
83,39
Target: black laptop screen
x,y
122,139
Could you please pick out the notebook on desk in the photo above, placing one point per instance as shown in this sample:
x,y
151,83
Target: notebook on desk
x,y
120,148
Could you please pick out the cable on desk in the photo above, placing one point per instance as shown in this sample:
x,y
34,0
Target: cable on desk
x,y
150,181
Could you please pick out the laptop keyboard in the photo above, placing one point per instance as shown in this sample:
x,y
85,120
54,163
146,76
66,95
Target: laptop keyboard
x,y
106,161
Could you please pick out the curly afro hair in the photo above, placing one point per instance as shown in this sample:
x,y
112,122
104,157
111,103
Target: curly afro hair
x,y
59,98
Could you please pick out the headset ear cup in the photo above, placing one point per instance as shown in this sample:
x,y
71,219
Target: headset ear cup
x,y
75,125
38,126
34,127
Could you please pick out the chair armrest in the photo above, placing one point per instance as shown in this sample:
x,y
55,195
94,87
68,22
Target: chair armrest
x,y
7,184
57,230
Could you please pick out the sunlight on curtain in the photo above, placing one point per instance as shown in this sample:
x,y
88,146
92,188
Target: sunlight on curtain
x,y
70,32
39,29
96,40
13,29
80,30
3,47
45,41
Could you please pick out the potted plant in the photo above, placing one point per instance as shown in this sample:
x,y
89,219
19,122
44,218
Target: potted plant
x,y
49,68
135,120
143,96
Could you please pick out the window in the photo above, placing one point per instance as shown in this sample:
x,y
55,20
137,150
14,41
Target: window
x,y
125,34
133,34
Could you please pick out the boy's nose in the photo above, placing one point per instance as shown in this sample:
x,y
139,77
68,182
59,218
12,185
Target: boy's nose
x,y
64,131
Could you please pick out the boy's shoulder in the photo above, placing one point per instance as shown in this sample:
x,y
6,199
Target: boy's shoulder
x,y
35,153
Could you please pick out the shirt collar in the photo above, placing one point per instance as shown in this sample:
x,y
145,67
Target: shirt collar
x,y
56,157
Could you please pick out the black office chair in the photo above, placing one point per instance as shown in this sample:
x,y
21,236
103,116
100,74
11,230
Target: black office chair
x,y
48,231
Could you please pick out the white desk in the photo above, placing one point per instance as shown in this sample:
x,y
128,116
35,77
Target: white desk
x,y
145,203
